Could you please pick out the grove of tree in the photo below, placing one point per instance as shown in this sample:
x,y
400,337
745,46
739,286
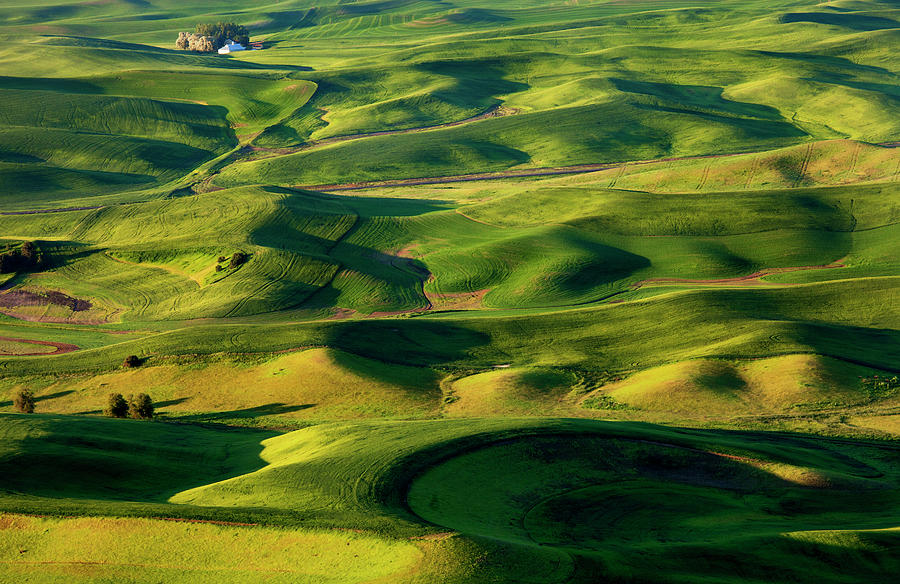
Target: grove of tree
x,y
210,37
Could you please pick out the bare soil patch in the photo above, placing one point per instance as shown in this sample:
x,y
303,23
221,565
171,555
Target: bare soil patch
x,y
342,313
16,298
381,313
60,347
457,301
36,304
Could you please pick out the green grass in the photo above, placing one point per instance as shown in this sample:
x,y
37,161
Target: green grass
x,y
134,130
229,554
321,251
726,490
418,383
633,510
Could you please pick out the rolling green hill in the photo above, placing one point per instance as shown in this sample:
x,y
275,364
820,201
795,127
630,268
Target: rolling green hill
x,y
464,292
726,494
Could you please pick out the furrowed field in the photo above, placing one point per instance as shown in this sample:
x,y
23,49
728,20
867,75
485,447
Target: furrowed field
x,y
451,292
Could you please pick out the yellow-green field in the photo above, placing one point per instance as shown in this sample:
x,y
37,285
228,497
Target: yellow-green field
x,y
95,549
460,292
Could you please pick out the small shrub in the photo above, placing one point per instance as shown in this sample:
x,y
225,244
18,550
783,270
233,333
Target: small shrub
x,y
602,402
132,361
140,406
24,401
222,259
116,406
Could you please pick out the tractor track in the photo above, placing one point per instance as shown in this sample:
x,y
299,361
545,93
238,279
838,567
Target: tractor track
x,y
804,167
749,280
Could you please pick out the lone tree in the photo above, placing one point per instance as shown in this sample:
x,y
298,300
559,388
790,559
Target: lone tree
x,y
140,406
132,361
116,406
24,401
28,250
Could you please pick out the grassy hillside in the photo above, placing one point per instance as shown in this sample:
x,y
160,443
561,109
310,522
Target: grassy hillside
x,y
411,285
359,474
118,544
567,494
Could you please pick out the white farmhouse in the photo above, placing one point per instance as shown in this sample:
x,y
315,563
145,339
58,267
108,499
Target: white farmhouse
x,y
231,47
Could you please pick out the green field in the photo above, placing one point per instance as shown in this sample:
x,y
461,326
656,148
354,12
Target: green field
x,y
465,292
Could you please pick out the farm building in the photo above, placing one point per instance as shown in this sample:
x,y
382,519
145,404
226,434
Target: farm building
x,y
231,47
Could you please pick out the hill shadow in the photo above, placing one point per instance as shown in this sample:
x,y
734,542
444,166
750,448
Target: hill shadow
x,y
417,342
859,22
699,96
607,266
65,456
401,276
846,80
272,409
365,206
170,402
840,63
65,40
474,16
57,254
795,325
477,82
62,85
49,396
870,347
64,253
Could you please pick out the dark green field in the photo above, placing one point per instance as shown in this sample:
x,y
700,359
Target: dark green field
x,y
452,291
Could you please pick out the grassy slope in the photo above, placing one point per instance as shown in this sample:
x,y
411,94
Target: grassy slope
x,y
229,554
337,474
100,110
105,134
530,247
567,493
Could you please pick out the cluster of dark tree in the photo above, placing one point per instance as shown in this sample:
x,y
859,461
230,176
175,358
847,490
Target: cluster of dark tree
x,y
23,401
237,258
22,259
139,407
208,38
